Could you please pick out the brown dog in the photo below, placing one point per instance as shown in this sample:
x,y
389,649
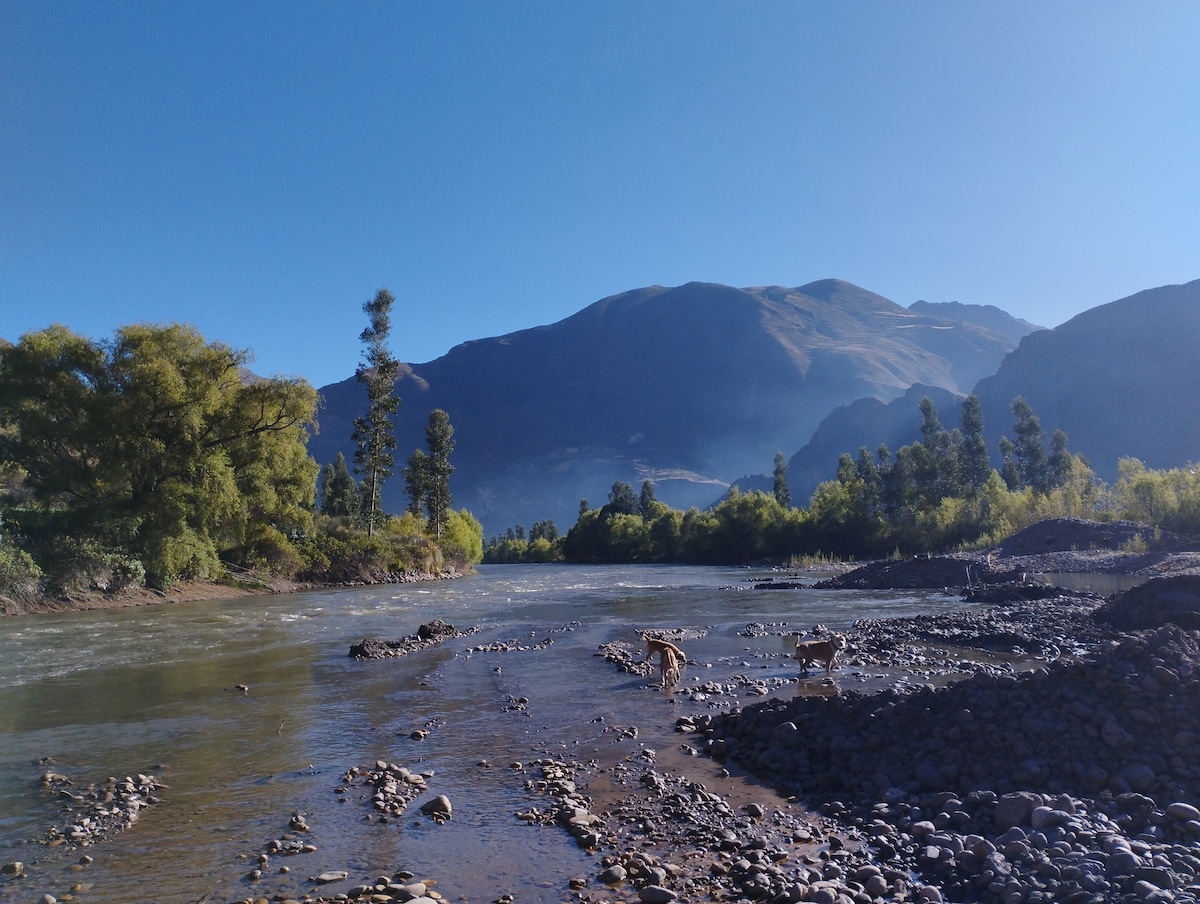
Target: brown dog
x,y
811,651
670,658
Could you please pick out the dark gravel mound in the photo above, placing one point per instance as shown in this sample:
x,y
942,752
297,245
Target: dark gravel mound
x,y
1160,601
1126,722
1066,534
1078,782
922,572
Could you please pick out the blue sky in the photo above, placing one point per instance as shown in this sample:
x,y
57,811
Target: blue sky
x,y
258,169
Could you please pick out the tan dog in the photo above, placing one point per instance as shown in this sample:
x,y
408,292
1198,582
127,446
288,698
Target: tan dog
x,y
670,658
811,651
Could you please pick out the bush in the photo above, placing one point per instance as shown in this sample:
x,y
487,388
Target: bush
x,y
462,540
19,574
273,552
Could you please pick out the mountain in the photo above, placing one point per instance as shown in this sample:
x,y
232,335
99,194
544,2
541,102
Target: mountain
x,y
688,386
987,316
863,422
1119,379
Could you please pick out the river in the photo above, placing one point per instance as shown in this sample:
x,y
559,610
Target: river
x,y
155,690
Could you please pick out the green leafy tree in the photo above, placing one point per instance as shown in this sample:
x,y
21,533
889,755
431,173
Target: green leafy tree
x,y
339,491
621,500
1061,462
1029,447
868,472
782,494
462,538
375,431
646,499
1010,468
746,524
543,530
665,526
973,464
936,459
439,438
152,444
416,481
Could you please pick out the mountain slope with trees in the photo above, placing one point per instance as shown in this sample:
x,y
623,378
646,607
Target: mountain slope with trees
x,y
689,386
1115,379
1120,379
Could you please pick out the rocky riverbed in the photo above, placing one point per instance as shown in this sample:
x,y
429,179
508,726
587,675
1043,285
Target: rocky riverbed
x,y
1061,764
1036,745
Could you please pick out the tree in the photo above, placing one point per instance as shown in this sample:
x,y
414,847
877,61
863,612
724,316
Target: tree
x,y
782,494
1029,447
439,438
646,499
621,500
1010,469
152,444
1061,461
543,530
868,472
936,459
973,464
416,481
339,492
375,431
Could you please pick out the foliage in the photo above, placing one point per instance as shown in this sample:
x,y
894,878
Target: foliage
x,y
621,500
339,491
462,539
1168,499
151,445
936,494
153,458
646,498
375,431
416,481
439,438
20,575
338,553
542,545
780,484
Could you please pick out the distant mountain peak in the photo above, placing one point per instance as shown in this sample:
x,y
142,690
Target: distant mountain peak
x,y
710,380
985,315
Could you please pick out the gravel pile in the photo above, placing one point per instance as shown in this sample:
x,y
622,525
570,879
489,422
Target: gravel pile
x,y
1078,781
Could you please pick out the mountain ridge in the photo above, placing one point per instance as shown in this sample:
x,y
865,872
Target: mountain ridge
x,y
700,381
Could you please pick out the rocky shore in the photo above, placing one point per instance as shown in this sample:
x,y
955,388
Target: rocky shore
x,y
1073,777
1077,780
1036,745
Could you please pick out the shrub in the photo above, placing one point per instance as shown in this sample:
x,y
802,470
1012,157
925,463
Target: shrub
x,y
19,574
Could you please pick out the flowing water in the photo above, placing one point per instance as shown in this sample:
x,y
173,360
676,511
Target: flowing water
x,y
154,690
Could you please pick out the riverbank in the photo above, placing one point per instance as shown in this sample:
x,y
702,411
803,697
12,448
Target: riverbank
x,y
188,591
1028,752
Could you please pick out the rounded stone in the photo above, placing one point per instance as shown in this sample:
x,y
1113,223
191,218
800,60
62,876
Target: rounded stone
x,y
613,875
656,894
1184,812
438,806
